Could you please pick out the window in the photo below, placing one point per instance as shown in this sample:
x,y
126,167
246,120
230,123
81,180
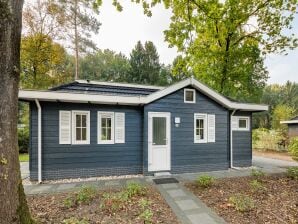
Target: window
x,y
189,96
200,128
106,127
81,127
240,123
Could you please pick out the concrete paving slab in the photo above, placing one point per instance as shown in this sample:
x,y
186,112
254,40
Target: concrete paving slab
x,y
201,218
187,204
112,183
64,187
169,186
176,193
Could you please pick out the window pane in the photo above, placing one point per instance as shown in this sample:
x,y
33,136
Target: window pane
x,y
242,123
103,133
78,134
103,122
109,122
159,130
189,95
84,134
78,120
84,118
200,129
109,137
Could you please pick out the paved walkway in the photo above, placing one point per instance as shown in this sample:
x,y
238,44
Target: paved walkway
x,y
188,208
24,166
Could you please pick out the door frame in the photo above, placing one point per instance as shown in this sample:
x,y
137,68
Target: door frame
x,y
167,115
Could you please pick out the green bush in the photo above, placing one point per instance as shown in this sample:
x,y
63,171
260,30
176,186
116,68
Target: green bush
x,y
205,181
292,172
69,202
293,148
257,185
257,173
242,203
135,189
23,139
146,216
264,139
86,194
74,220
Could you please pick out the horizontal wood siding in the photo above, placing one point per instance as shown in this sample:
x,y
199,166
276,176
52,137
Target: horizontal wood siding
x,y
187,156
242,144
66,161
293,130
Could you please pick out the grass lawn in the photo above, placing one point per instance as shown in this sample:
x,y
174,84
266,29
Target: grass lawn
x,y
133,204
266,199
24,157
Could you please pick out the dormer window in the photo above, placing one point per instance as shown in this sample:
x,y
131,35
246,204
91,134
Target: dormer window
x,y
189,96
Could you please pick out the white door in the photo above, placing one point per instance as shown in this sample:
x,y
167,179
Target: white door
x,y
159,139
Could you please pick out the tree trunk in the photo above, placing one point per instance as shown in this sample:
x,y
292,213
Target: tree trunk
x,y
13,205
76,40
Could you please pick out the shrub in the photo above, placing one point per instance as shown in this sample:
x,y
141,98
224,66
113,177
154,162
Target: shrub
x,y
144,203
257,186
205,181
264,139
292,172
257,173
242,203
86,194
23,139
112,202
74,220
135,189
69,202
293,148
146,215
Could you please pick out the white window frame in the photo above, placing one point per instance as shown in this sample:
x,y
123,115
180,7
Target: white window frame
x,y
99,116
80,112
247,123
205,118
194,95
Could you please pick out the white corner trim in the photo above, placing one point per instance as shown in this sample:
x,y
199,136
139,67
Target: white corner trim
x,y
120,84
194,95
39,143
289,122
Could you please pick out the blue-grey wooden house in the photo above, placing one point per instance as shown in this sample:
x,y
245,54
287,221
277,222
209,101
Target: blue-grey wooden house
x,y
86,128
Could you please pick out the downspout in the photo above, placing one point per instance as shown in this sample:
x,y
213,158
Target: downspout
x,y
231,140
39,140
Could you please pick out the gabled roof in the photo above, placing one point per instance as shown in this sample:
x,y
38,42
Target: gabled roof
x,y
137,98
294,120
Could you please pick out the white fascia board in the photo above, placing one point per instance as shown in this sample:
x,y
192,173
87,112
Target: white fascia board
x,y
120,84
209,92
159,94
289,122
79,97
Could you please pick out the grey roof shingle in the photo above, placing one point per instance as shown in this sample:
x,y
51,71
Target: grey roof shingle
x,y
104,89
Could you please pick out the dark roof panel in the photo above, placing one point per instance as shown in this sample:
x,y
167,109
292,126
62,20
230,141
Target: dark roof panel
x,y
104,89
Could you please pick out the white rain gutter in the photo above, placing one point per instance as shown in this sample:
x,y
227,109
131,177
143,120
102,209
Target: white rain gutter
x,y
231,140
39,140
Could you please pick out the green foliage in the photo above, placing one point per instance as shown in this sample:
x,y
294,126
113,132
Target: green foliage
x,y
242,203
86,194
205,181
69,202
257,185
24,157
23,139
74,220
43,62
135,189
292,172
146,215
280,113
293,148
257,173
112,202
264,139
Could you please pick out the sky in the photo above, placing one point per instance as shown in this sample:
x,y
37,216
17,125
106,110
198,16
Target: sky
x,y
120,32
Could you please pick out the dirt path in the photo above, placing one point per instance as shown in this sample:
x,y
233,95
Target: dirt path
x,y
274,155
